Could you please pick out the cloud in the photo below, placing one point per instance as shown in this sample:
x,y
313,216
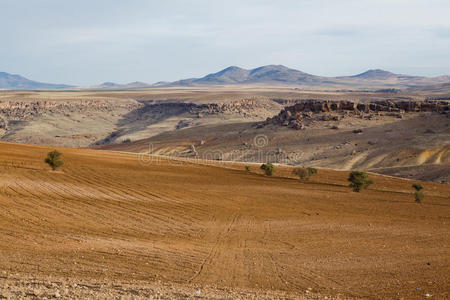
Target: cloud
x,y
166,40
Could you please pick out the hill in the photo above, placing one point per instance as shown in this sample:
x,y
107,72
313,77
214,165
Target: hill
x,y
113,224
270,75
17,82
375,75
280,75
111,86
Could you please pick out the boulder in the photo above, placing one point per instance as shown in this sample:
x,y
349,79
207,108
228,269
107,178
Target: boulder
x,y
308,114
326,117
298,125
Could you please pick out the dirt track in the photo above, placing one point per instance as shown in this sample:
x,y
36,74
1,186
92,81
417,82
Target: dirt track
x,y
106,217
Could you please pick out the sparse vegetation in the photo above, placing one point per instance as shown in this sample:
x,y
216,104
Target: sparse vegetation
x,y
126,141
53,159
392,91
247,168
417,187
418,195
304,173
359,180
268,169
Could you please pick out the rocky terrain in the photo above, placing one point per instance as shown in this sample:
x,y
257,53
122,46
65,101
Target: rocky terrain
x,y
84,122
293,116
341,130
20,286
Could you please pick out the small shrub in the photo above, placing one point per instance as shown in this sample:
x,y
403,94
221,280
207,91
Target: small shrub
x,y
247,168
312,171
53,159
268,169
419,196
359,180
417,187
126,141
304,173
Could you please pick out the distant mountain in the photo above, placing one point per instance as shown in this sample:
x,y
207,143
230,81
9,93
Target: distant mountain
x,y
375,75
270,75
17,82
281,75
276,74
117,86
108,84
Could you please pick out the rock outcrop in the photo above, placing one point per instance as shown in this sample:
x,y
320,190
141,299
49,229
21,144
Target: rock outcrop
x,y
293,116
23,111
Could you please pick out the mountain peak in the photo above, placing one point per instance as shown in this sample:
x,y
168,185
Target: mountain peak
x,y
228,75
375,74
232,68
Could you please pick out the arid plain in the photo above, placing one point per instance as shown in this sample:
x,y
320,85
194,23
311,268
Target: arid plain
x,y
154,199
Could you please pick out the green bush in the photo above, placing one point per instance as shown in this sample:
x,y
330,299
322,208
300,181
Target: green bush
x,y
53,159
312,171
304,173
247,168
417,186
269,169
419,196
359,180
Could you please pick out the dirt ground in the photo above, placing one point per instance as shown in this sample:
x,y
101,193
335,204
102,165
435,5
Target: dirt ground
x,y
111,225
415,147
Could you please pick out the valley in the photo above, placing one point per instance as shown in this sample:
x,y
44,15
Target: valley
x,y
338,130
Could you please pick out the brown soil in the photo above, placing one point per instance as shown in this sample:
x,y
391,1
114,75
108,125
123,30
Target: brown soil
x,y
176,227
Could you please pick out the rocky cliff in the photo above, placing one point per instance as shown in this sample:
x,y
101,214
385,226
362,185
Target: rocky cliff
x,y
295,116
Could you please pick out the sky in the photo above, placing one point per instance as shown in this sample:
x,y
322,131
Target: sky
x,y
89,42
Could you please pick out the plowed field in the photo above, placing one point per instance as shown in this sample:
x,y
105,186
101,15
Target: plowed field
x,y
105,216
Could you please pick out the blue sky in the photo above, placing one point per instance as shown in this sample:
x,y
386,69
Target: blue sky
x,y
89,42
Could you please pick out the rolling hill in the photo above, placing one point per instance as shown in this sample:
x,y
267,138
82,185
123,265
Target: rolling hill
x,y
270,75
281,75
110,86
17,82
107,222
